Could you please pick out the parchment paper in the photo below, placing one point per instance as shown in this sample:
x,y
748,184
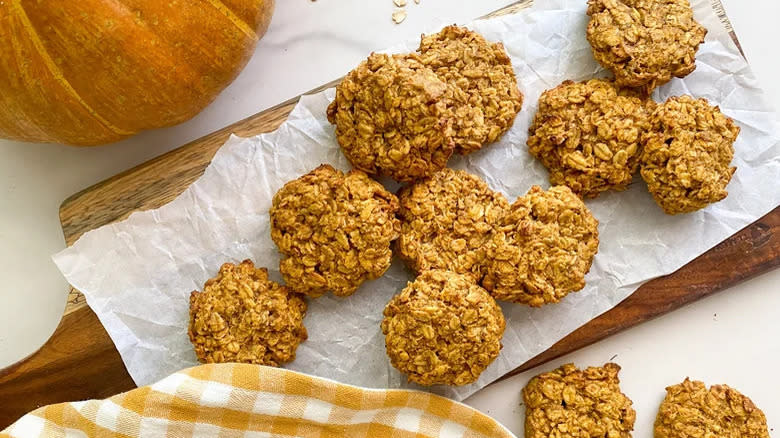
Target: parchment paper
x,y
137,274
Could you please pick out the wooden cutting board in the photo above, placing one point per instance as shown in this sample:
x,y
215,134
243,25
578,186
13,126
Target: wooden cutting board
x,y
80,362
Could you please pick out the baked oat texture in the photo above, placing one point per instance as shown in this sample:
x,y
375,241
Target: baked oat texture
x,y
587,135
687,154
392,117
485,98
542,248
442,329
690,410
446,220
644,42
335,230
241,316
569,402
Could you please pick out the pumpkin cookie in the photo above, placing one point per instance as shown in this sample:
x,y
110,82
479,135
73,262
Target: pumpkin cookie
x,y
692,410
446,220
391,115
485,98
335,230
687,154
241,316
644,42
542,248
442,329
587,134
573,403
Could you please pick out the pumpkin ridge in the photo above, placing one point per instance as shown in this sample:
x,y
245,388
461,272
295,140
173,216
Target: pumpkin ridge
x,y
56,72
235,19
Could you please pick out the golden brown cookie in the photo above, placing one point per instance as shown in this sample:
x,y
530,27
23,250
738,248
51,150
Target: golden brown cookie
x,y
573,403
442,329
692,410
687,154
644,42
485,98
241,316
446,220
335,230
542,248
391,115
587,135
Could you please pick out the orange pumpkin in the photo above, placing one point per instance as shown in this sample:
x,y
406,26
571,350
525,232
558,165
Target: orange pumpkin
x,y
88,72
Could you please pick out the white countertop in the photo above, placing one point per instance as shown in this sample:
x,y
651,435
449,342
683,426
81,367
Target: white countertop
x,y
731,337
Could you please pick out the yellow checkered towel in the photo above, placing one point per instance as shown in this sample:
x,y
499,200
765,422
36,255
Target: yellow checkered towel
x,y
237,400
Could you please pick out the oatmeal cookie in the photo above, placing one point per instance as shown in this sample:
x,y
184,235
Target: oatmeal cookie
x,y
687,154
241,316
392,117
587,135
542,248
335,230
442,329
486,98
446,221
644,42
691,410
573,403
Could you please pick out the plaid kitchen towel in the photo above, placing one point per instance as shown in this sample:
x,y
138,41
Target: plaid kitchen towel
x,y
238,400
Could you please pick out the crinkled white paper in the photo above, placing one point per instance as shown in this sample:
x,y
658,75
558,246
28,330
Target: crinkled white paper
x,y
137,274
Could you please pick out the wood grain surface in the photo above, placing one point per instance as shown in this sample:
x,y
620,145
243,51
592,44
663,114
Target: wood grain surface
x,y
80,362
